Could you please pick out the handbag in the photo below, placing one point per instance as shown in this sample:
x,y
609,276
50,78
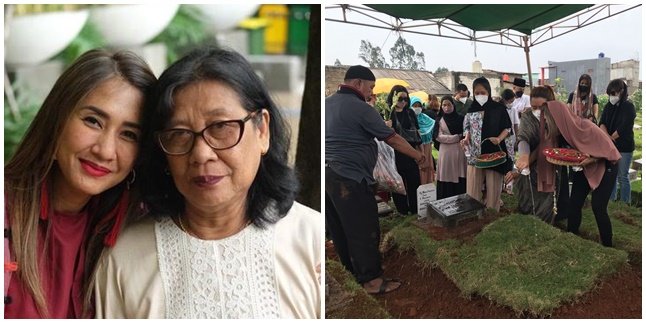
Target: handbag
x,y
410,135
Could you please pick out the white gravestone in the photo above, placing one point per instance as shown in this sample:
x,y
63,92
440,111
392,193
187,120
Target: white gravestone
x,y
425,194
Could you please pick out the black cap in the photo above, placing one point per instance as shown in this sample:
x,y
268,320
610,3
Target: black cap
x,y
359,72
518,82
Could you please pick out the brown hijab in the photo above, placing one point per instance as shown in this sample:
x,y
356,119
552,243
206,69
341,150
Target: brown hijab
x,y
584,136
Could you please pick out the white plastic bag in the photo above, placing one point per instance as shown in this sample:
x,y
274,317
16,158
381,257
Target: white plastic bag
x,y
385,172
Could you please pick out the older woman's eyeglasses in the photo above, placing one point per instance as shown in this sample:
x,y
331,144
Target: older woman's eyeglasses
x,y
219,135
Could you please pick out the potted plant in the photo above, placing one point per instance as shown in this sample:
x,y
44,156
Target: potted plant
x,y
37,32
132,25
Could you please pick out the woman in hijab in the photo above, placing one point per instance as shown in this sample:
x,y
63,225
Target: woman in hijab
x,y
487,127
599,170
582,101
426,124
451,164
530,200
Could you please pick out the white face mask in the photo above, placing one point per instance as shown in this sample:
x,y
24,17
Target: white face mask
x,y
537,113
509,105
613,99
482,99
463,100
417,110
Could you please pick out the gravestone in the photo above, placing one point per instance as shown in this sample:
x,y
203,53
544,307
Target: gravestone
x,y
425,194
450,211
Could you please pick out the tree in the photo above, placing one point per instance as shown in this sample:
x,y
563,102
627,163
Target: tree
x,y
337,62
308,151
403,56
441,70
372,55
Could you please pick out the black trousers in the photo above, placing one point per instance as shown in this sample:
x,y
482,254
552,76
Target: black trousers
x,y
409,171
351,217
563,199
600,198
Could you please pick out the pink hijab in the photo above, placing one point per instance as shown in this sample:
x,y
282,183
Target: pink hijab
x,y
584,136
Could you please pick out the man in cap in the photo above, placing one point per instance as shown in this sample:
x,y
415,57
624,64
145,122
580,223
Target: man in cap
x,y
522,100
351,125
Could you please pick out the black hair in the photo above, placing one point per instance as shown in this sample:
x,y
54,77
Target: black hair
x,y
461,87
275,186
618,85
507,94
397,88
484,82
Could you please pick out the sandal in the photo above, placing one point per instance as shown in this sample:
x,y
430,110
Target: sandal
x,y
384,286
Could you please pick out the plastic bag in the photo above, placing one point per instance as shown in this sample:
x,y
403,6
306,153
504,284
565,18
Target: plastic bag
x,y
385,172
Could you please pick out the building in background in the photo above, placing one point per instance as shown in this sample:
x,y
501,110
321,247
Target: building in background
x,y
570,71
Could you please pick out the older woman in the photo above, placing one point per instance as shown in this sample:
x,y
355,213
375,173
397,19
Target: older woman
x,y
530,199
599,170
225,238
451,163
618,119
67,185
487,127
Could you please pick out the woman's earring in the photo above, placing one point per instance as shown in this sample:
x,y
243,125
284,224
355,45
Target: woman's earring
x,y
132,179
166,171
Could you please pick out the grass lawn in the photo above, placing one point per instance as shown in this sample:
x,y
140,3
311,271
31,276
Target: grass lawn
x,y
626,228
517,261
357,299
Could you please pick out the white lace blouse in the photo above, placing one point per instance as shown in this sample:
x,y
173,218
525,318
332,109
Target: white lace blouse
x,y
157,271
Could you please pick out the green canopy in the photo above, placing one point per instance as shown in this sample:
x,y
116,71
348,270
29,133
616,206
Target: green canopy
x,y
485,17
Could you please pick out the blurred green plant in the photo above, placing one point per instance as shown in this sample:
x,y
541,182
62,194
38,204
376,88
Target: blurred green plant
x,y
636,98
382,107
560,90
186,31
16,127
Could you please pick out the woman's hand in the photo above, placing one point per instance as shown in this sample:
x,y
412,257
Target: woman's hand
x,y
389,123
588,161
510,176
494,140
522,162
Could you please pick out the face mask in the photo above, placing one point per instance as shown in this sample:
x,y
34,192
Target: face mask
x,y
417,110
482,99
509,105
583,88
463,100
613,99
537,113
519,94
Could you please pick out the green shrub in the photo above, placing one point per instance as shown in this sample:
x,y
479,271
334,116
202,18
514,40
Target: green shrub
x,y
185,32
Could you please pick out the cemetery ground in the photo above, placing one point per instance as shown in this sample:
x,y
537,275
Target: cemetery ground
x,y
502,265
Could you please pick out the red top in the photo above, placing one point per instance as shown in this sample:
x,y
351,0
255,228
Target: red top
x,y
62,270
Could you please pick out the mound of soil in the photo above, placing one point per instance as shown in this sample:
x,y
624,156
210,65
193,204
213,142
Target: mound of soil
x,y
428,293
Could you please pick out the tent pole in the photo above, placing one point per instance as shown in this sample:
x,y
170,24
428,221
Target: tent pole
x,y
529,66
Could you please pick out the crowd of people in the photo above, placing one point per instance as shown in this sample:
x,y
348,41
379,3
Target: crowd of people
x,y
463,128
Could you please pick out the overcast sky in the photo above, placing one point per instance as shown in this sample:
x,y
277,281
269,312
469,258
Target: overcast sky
x,y
618,37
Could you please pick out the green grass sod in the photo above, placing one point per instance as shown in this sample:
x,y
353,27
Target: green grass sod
x,y
361,305
517,261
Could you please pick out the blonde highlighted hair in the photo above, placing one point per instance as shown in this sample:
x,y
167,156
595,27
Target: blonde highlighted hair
x,y
33,161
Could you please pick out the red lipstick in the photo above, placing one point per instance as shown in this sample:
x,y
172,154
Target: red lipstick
x,y
93,169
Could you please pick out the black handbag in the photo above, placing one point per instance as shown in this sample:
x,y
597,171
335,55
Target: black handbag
x,y
410,135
